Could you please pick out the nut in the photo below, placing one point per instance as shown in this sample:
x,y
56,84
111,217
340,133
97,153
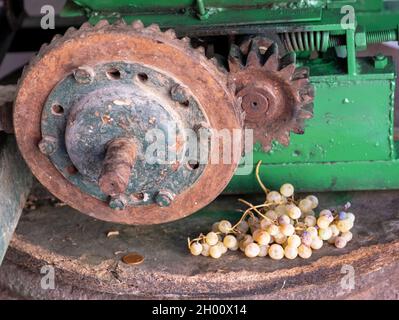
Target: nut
x,y
118,202
164,198
84,75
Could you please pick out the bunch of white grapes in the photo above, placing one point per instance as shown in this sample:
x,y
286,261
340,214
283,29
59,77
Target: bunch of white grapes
x,y
280,227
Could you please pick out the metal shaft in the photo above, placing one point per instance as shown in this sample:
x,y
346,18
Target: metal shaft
x,y
118,162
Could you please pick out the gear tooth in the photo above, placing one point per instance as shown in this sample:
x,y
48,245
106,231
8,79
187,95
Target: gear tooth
x,y
301,73
170,33
284,139
153,28
85,26
299,84
102,23
304,114
299,127
253,57
56,37
201,50
235,59
287,72
306,99
70,31
186,40
272,63
137,25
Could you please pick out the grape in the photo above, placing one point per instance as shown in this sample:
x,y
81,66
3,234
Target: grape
x,y
291,252
243,227
280,210
347,236
306,238
313,232
252,250
253,221
224,226
314,200
205,249
323,222
342,215
273,196
287,190
305,205
284,219
215,226
325,234
310,213
310,221
263,251
332,240
261,237
222,247
325,212
280,238
293,211
245,241
340,242
316,243
344,225
294,241
350,216
271,214
304,252
276,252
334,230
215,252
196,248
287,229
264,223
273,230
212,238
230,241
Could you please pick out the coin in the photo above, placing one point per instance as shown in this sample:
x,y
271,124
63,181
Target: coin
x,y
133,258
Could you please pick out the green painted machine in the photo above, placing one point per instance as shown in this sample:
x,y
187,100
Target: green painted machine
x,y
322,117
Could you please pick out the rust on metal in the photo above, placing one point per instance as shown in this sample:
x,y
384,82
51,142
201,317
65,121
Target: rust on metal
x,y
119,160
109,43
275,96
6,100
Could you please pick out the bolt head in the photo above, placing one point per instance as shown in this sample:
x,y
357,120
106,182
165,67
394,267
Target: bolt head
x,y
118,202
180,94
48,145
164,198
84,75
380,61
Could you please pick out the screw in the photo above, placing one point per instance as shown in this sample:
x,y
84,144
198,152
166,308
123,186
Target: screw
x,y
164,198
84,75
118,202
48,145
180,94
380,61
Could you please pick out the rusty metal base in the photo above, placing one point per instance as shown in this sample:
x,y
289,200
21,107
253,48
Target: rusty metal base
x,y
88,264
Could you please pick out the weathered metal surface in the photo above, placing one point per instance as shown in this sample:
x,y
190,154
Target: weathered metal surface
x,y
15,183
88,264
145,46
275,96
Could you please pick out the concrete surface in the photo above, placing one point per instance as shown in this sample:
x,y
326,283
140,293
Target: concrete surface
x,y
88,266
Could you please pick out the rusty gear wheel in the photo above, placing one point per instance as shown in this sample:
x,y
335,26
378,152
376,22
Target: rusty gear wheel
x,y
84,103
275,96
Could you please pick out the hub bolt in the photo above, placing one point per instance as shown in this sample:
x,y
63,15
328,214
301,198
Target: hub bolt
x,y
118,202
48,145
84,75
180,94
164,198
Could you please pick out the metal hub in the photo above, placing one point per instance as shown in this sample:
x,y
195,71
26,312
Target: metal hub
x,y
84,130
99,106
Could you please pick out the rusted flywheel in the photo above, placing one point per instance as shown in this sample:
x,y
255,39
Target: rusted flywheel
x,y
83,108
275,95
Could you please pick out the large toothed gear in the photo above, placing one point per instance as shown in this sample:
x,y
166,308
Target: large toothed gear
x,y
86,102
275,96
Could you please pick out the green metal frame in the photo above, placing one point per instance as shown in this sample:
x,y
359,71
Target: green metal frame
x,y
349,144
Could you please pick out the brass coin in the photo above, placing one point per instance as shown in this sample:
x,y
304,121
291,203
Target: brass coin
x,y
133,258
